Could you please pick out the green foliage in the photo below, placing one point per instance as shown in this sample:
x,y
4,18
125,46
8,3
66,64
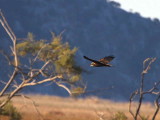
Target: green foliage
x,y
11,111
29,47
77,91
60,54
119,116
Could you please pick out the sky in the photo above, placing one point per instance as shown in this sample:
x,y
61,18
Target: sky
x,y
146,8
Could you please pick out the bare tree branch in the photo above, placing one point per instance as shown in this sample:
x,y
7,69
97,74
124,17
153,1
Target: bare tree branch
x,y
146,66
63,86
157,107
6,56
13,38
11,34
43,81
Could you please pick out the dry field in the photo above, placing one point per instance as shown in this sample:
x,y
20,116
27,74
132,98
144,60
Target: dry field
x,y
58,108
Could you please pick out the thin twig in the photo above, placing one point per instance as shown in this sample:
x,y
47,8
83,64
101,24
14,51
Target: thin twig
x,y
6,56
157,107
38,54
130,102
9,82
63,86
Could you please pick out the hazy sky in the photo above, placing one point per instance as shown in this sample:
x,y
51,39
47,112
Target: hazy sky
x,y
147,8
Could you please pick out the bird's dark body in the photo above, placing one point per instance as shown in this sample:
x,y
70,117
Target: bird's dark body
x,y
102,62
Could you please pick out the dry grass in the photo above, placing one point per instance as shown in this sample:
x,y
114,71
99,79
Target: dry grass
x,y
58,108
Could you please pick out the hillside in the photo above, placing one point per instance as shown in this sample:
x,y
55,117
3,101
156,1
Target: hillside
x,y
98,28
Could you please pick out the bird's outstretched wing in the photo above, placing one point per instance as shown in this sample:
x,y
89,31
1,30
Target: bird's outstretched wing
x,y
95,61
107,59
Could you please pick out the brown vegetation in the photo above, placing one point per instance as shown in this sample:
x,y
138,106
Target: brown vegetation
x,y
58,108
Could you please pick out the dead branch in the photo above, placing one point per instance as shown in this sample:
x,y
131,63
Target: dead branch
x,y
157,104
40,82
11,34
146,66
130,102
63,86
145,70
9,82
6,56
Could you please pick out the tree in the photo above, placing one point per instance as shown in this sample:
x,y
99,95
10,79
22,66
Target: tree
x,y
34,62
141,93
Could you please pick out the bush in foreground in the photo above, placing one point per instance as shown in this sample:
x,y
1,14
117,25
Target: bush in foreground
x,y
11,111
119,116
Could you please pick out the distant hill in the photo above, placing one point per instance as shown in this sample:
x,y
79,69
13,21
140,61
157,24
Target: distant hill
x,y
98,28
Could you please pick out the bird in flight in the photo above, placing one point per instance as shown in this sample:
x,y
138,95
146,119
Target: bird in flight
x,y
102,62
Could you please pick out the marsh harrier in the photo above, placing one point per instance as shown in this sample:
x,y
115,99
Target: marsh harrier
x,y
102,62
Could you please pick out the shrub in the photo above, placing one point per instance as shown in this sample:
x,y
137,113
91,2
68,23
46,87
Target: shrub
x,y
119,116
11,111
